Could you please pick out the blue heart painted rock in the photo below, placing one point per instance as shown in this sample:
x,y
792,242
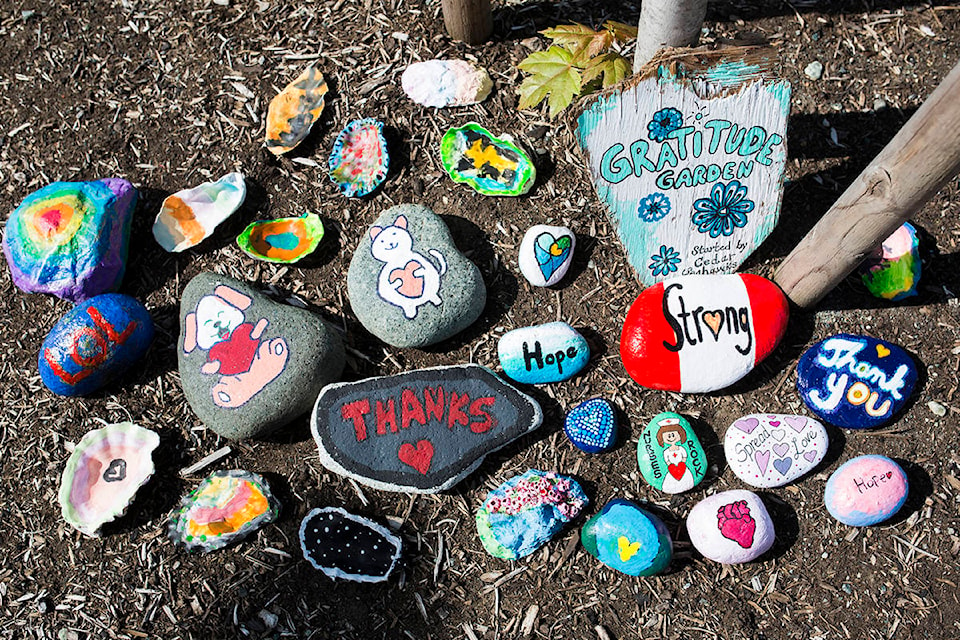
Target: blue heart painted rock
x,y
855,382
546,253
591,425
629,539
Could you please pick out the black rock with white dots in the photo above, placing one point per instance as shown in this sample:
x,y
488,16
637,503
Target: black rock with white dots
x,y
347,546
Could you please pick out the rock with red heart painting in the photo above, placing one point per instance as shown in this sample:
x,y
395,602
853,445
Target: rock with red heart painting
x,y
419,431
771,450
696,334
670,455
731,527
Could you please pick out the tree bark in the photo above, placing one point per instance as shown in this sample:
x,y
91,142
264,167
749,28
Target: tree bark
x,y
468,20
667,23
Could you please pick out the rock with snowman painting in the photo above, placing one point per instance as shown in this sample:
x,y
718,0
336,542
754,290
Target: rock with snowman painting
x,y
546,253
771,450
250,365
408,283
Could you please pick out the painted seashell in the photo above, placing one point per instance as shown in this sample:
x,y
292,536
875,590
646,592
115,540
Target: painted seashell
x,y
347,546
189,216
294,110
103,474
226,507
492,166
446,83
283,240
360,160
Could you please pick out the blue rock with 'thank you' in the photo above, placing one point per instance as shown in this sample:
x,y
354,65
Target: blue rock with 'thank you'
x,y
549,352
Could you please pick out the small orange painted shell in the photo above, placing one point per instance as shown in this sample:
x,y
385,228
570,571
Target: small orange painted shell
x,y
294,110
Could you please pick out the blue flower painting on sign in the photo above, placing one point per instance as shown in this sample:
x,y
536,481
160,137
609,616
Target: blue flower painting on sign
x,y
725,210
665,262
664,122
655,206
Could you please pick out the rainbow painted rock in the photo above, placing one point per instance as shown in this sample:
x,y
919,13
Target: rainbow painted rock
x,y
294,110
492,166
359,161
696,334
446,83
70,238
189,216
226,507
629,539
103,474
866,490
284,240
893,271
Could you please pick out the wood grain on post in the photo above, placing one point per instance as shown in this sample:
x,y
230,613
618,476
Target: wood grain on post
x,y
920,159
667,23
468,20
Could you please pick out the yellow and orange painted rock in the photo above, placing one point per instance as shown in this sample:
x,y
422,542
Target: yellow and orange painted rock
x,y
294,110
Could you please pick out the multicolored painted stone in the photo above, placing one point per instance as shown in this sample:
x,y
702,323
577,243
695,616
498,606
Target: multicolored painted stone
x,y
696,334
544,353
592,426
629,539
546,254
70,239
855,382
226,507
893,271
866,490
360,160
670,455
189,216
284,240
771,450
348,547
446,83
294,110
492,166
526,511
731,527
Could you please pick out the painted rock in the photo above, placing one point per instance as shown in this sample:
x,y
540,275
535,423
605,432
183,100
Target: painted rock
x,y
446,83
546,254
408,283
866,490
94,343
294,110
189,216
629,539
525,512
348,547
669,454
71,238
855,382
592,426
492,166
771,450
103,474
419,431
696,334
284,240
250,365
359,161
543,353
226,507
731,527
893,271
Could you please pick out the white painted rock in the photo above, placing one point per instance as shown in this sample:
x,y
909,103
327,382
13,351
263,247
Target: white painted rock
x,y
546,254
731,527
189,216
771,450
446,83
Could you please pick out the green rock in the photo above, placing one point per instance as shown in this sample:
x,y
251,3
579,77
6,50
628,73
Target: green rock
x,y
492,166
669,454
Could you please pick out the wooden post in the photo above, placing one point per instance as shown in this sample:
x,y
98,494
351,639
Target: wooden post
x,y
920,159
666,23
468,20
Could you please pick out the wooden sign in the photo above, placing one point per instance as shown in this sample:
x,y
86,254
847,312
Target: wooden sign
x,y
689,159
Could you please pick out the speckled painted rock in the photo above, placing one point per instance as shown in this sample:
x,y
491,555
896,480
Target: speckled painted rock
x,y
855,382
669,454
866,490
771,450
348,547
546,253
284,240
526,511
492,166
629,539
294,110
250,365
360,160
408,283
696,334
446,83
189,216
731,527
93,343
893,271
592,426
543,353
70,239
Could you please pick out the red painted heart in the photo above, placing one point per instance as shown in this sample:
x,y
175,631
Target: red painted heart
x,y
677,470
418,457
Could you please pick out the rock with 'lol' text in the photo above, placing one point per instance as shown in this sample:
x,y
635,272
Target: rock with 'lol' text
x,y
189,216
492,166
771,450
446,83
592,425
670,455
408,284
70,239
892,272
359,161
866,490
546,254
629,539
420,431
94,343
731,527
250,365
348,547
543,353
284,240
855,382
294,110
525,512
696,334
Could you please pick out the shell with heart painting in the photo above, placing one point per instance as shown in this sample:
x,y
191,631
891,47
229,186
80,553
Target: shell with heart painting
x,y
670,455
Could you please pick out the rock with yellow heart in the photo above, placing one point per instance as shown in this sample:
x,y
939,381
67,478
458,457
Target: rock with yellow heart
x,y
629,539
294,110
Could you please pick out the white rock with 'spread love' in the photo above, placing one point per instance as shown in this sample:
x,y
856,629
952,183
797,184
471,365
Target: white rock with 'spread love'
x,y
731,527
546,253
771,450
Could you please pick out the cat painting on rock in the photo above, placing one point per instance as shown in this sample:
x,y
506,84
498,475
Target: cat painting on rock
x,y
408,279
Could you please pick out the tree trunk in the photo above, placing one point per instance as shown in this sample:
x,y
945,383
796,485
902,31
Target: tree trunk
x,y
468,20
667,23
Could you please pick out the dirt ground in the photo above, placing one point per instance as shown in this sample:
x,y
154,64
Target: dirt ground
x,y
170,94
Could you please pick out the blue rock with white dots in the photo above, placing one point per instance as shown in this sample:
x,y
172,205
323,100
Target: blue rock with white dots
x,y
592,426
550,352
349,547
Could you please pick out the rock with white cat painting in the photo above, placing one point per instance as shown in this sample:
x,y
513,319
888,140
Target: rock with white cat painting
x,y
408,283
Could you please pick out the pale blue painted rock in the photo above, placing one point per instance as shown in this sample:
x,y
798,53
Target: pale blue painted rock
x,y
893,271
629,539
525,512
94,342
670,455
866,490
771,450
546,253
855,382
731,527
543,353
592,425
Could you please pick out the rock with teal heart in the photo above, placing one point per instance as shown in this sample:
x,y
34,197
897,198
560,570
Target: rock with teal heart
x,y
771,450
543,353
670,455
592,426
546,253
629,539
